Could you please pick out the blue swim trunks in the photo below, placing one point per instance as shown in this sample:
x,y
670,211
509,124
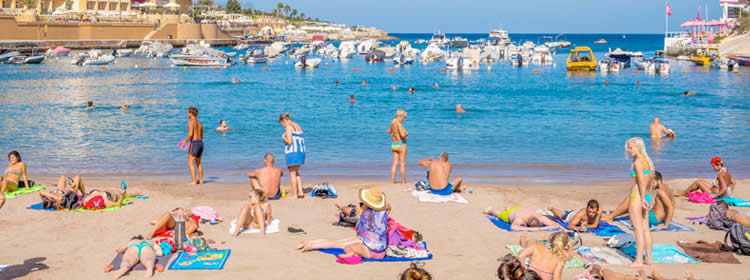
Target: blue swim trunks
x,y
448,190
196,148
277,196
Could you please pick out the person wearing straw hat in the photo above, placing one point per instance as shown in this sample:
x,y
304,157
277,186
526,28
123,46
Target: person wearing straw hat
x,y
372,228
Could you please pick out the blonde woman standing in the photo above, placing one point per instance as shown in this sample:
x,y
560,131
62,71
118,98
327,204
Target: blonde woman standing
x,y
398,145
642,171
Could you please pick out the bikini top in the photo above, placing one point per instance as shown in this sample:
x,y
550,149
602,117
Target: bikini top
x,y
645,172
13,170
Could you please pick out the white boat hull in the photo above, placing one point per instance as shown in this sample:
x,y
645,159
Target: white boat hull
x,y
199,61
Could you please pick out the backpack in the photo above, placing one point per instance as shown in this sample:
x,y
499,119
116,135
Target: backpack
x,y
717,218
346,221
739,237
70,200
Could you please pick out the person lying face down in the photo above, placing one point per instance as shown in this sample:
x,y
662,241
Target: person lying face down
x,y
581,219
736,216
523,219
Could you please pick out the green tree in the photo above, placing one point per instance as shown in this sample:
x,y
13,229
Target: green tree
x,y
28,4
233,6
317,20
68,4
293,14
301,16
275,12
206,2
287,9
279,6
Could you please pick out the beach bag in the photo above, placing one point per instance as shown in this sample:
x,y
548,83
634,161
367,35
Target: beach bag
x,y
199,243
422,185
324,191
346,221
621,240
717,218
70,200
739,240
48,203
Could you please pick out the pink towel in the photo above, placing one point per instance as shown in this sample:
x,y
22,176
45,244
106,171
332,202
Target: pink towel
x,y
701,197
349,260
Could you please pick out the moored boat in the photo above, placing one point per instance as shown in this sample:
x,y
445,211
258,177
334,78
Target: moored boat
x,y
189,60
305,63
581,59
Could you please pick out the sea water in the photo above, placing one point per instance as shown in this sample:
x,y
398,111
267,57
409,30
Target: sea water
x,y
521,125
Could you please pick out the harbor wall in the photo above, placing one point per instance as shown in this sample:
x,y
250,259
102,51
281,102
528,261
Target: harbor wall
x,y
21,30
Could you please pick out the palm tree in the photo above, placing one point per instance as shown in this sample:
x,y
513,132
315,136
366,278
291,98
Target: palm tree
x,y
29,4
294,13
287,9
302,16
275,12
280,6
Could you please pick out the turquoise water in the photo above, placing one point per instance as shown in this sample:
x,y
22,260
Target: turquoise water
x,y
550,126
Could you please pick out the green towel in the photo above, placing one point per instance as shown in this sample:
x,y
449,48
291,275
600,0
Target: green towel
x,y
19,191
574,262
111,208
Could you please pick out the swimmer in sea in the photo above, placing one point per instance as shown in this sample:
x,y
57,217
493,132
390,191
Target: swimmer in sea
x,y
90,106
222,126
393,87
234,80
638,83
351,99
364,82
436,85
689,93
124,107
337,82
460,109
411,89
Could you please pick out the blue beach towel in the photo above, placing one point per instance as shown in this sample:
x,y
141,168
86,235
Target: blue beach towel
x,y
673,226
337,251
506,226
214,259
662,253
38,206
735,201
604,229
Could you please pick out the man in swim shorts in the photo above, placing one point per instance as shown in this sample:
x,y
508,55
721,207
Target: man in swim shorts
x,y
439,175
522,219
195,138
267,178
658,130
581,219
663,208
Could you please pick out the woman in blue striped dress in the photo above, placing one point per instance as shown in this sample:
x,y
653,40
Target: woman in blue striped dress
x,y
294,148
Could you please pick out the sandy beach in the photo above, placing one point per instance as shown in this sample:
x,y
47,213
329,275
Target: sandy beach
x,y
465,245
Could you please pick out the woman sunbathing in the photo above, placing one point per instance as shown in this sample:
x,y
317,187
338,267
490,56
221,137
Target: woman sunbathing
x,y
53,198
736,216
167,221
548,262
98,200
255,214
371,240
139,250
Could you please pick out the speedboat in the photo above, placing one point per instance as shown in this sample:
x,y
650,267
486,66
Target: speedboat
x,y
7,55
156,49
346,49
600,41
725,64
499,34
255,57
124,52
58,51
27,58
603,66
741,60
388,51
93,57
375,55
458,42
581,58
432,53
420,41
455,63
218,59
439,39
305,63
705,56
623,57
365,47
402,59
516,59
241,47
300,52
642,64
659,65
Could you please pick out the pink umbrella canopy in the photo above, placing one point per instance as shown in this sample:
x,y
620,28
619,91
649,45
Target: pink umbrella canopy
x,y
691,23
715,23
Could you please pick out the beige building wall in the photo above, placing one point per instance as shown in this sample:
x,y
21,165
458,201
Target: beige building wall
x,y
13,30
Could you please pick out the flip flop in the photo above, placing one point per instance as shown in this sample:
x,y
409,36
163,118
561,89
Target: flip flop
x,y
296,230
159,268
109,268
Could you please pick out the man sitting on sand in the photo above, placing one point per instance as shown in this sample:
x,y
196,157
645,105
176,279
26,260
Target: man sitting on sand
x,y
439,175
581,219
658,130
268,178
522,219
736,216
664,205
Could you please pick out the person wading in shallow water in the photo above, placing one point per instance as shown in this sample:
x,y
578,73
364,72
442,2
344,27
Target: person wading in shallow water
x,y
195,139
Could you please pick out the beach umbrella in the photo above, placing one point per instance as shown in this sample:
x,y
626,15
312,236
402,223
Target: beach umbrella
x,y
715,23
691,23
172,5
148,4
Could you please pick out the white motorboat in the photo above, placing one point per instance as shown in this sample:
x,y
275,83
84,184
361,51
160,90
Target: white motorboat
x,y
241,47
432,53
8,54
189,60
364,47
154,49
255,57
402,59
683,57
439,39
542,57
641,64
603,66
458,42
388,51
458,62
305,63
124,52
300,52
347,49
499,34
420,41
659,65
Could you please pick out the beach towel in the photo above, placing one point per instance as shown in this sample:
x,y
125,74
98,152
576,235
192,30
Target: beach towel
x,y
735,201
604,229
701,197
38,206
272,227
426,196
707,252
207,213
673,226
506,226
336,252
163,260
603,255
21,191
214,259
662,253
574,262
698,220
2,267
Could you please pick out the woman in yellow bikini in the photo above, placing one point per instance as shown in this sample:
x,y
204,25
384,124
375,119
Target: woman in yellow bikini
x,y
398,145
642,171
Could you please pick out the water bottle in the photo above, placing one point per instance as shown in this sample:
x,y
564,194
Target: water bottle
x,y
179,231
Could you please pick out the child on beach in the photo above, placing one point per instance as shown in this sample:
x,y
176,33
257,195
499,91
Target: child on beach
x,y
256,213
139,250
415,273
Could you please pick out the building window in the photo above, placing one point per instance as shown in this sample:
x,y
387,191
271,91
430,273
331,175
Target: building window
x,y
113,6
91,5
123,6
102,6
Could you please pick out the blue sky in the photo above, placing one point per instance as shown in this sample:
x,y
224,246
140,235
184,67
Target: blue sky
x,y
476,16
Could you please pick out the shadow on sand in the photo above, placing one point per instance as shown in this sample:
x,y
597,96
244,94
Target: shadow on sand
x,y
21,270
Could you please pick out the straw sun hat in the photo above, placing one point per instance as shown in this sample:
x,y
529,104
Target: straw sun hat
x,y
373,198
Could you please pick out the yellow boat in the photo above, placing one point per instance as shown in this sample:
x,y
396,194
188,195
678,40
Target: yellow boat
x,y
602,41
705,56
581,58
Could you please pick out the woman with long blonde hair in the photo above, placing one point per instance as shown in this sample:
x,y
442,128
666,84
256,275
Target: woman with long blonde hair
x,y
642,171
547,262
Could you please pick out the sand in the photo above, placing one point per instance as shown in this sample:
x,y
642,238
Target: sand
x,y
73,245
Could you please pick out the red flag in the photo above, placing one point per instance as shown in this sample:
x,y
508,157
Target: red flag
x,y
699,15
669,10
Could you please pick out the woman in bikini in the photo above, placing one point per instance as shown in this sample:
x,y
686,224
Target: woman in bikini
x,y
255,214
546,261
398,145
16,169
722,186
139,250
167,222
294,148
642,172
53,198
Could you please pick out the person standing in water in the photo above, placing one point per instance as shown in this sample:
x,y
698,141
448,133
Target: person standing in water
x,y
294,148
398,145
195,138
642,172
658,130
460,109
90,105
